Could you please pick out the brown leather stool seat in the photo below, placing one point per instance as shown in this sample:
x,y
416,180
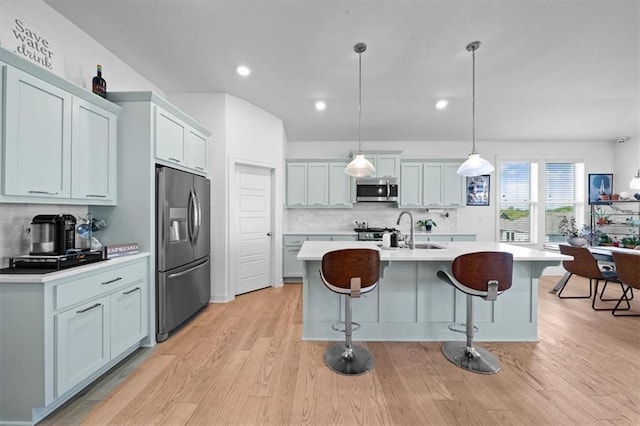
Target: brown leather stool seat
x,y
628,267
350,272
481,274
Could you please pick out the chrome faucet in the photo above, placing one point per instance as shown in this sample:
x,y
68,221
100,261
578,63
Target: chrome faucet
x,y
412,242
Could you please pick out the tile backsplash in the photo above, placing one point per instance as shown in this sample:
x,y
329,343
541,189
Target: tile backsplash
x,y
376,215
15,219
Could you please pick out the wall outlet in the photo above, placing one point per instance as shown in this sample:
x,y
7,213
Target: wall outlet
x,y
26,233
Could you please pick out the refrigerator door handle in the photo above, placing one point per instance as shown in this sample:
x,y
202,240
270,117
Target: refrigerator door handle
x,y
190,217
179,274
198,217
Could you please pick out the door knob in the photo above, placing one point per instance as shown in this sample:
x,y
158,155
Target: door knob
x,y
268,234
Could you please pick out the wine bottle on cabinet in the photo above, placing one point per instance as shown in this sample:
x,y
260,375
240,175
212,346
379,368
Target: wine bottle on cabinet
x,y
99,86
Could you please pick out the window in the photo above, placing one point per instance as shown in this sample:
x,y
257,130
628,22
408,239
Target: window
x,y
563,196
518,196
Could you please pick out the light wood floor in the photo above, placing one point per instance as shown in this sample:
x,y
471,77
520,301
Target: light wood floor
x,y
244,363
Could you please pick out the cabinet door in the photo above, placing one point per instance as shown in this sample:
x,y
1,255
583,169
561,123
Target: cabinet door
x,y
93,176
128,318
297,184
411,184
387,166
339,185
82,343
171,135
37,136
317,184
454,186
432,185
197,151
292,266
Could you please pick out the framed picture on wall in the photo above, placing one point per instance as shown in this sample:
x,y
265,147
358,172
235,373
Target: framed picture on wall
x,y
478,190
600,187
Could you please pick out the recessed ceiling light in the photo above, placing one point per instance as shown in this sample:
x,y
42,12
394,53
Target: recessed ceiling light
x,y
243,70
321,105
442,104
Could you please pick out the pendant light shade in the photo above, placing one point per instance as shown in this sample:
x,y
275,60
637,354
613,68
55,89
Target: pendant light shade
x,y
360,166
475,165
635,182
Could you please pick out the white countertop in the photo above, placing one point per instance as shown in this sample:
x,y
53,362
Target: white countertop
x,y
314,250
355,233
69,272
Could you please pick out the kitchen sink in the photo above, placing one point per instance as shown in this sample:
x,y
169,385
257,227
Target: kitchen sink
x,y
428,246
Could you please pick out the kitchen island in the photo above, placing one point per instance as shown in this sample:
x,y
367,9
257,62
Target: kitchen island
x,y
411,304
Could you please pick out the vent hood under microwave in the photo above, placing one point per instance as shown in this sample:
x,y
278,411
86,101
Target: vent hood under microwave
x,y
377,190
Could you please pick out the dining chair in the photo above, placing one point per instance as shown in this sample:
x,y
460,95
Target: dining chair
x,y
628,268
585,265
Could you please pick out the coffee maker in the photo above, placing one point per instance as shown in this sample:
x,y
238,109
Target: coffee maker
x,y
52,234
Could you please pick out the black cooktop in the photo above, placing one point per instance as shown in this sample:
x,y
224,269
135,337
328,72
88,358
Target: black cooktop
x,y
375,229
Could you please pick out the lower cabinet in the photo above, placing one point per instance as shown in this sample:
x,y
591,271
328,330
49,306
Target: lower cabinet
x,y
291,266
59,335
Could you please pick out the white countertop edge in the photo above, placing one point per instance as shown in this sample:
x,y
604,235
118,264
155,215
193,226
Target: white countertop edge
x,y
314,250
355,233
69,272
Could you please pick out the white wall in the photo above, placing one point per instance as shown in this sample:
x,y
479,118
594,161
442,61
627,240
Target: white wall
x,y
78,55
627,159
241,134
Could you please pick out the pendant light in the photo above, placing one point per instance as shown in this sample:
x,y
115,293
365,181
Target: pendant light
x,y
475,165
360,166
635,182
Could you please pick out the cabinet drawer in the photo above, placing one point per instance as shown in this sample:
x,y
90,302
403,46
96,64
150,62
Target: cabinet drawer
x,y
97,284
294,240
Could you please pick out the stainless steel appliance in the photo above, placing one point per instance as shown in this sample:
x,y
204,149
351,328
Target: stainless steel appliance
x,y
373,234
377,189
183,283
52,234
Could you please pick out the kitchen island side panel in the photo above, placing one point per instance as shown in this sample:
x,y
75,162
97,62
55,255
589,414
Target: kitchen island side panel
x,y
411,304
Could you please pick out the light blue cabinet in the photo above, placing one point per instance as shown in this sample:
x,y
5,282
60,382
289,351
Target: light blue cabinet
x,y
94,144
59,140
178,143
77,327
387,163
291,244
340,185
431,184
37,137
318,184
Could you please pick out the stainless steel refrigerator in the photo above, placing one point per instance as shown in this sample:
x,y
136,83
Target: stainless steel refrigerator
x,y
183,283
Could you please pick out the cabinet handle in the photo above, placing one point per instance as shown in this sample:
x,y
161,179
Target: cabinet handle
x,y
82,311
43,192
131,291
175,160
96,196
112,281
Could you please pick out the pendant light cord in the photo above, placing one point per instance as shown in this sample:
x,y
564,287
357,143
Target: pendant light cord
x,y
359,101
473,100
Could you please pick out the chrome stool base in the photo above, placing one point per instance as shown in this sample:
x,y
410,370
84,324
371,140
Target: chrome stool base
x,y
351,361
477,359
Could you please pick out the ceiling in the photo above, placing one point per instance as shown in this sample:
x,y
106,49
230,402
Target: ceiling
x,y
546,70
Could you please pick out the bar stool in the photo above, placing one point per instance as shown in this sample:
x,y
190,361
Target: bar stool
x,y
482,274
350,272
628,267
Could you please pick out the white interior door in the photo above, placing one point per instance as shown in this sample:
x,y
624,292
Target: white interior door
x,y
253,207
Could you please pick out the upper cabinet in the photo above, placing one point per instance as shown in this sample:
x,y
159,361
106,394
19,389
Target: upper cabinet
x,y
318,184
178,140
387,163
431,184
59,140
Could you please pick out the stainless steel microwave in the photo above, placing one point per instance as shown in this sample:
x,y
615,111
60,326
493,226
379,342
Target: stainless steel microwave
x,y
377,189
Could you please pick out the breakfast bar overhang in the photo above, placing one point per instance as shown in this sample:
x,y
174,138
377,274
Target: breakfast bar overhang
x,y
411,304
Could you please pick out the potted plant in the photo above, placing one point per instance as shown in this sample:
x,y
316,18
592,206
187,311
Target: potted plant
x,y
428,224
604,239
569,230
630,242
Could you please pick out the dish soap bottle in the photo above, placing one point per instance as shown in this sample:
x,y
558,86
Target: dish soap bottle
x,y
99,86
